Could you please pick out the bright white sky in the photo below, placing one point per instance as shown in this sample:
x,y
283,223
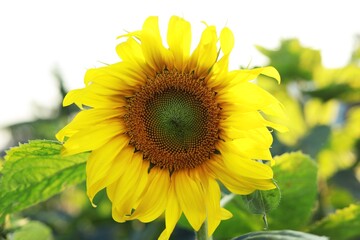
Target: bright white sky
x,y
37,36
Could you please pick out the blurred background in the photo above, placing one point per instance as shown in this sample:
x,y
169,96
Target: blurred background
x,y
47,46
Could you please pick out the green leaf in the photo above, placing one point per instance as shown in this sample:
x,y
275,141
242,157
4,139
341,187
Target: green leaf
x,y
1,165
280,235
343,224
296,175
34,172
262,202
33,230
242,221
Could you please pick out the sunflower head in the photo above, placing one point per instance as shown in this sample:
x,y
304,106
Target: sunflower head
x,y
165,124
174,120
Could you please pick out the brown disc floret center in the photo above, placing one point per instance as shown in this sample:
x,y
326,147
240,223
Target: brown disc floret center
x,y
173,120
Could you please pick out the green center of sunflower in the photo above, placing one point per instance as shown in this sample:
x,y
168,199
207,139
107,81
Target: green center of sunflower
x,y
176,118
174,121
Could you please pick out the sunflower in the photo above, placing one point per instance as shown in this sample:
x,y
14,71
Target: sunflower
x,y
165,125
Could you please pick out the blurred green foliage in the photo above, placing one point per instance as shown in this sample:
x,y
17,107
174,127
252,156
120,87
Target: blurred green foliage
x,y
323,107
35,172
343,224
319,181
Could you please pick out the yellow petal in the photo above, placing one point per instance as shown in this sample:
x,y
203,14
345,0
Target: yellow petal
x,y
245,75
258,184
212,198
248,95
119,77
244,166
190,195
156,55
212,202
234,181
205,54
125,193
225,214
252,149
99,135
134,34
172,214
252,143
226,40
246,120
154,200
231,181
104,91
100,162
217,80
271,72
179,41
260,135
130,51
85,97
88,118
277,110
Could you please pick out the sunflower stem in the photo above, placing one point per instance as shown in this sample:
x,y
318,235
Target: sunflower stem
x,y
202,234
